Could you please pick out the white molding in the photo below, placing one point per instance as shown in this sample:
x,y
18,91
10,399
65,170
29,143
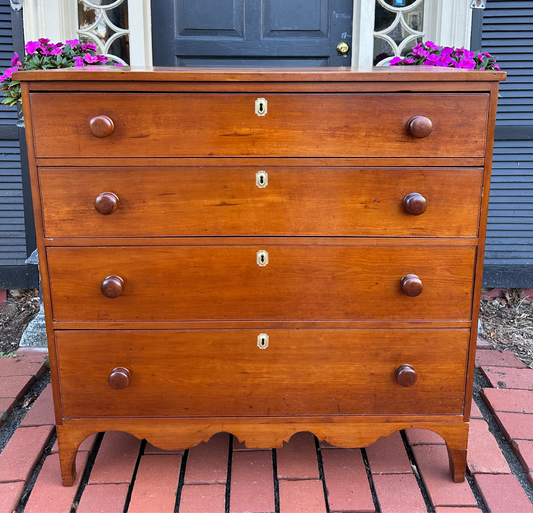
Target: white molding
x,y
446,22
140,23
58,21
53,19
449,22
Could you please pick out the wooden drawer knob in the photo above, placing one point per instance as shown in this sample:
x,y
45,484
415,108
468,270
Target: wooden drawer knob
x,y
411,285
119,378
112,286
420,126
107,202
415,204
405,375
101,126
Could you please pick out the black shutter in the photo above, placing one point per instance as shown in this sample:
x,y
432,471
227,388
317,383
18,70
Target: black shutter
x,y
507,32
17,232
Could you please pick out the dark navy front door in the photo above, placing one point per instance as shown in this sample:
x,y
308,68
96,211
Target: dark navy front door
x,y
251,32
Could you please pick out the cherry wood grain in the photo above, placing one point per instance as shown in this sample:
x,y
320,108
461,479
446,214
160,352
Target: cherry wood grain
x,y
297,125
271,74
306,372
260,432
420,126
327,201
226,283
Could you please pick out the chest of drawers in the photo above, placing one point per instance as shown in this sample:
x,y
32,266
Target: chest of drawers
x,y
261,252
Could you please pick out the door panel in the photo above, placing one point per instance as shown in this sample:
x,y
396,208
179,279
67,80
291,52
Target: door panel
x,y
251,32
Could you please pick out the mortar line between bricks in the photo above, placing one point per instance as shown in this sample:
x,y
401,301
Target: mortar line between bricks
x,y
276,481
512,460
181,480
370,480
18,413
228,473
133,476
28,487
321,474
416,473
86,472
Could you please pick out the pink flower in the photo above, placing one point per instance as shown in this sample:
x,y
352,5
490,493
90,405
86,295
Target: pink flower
x,y
15,60
78,61
88,46
482,69
468,54
420,51
90,59
44,41
72,42
466,64
31,46
8,73
431,44
408,61
102,58
393,62
497,67
447,50
56,51
118,64
46,52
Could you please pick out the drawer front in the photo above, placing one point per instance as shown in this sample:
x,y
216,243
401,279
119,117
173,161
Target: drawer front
x,y
298,125
225,373
299,282
259,200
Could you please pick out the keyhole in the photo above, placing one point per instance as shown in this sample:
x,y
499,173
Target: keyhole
x,y
262,258
262,341
261,180
260,107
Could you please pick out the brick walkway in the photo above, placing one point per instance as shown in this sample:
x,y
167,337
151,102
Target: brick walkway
x,y
404,473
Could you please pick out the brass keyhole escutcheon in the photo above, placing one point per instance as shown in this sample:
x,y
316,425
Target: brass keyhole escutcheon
x,y
261,106
343,48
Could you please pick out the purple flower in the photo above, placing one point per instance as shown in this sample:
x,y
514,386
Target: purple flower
x,y
487,54
15,60
102,58
78,61
393,62
447,50
72,42
88,46
118,64
31,46
482,69
466,64
497,68
468,54
90,59
7,74
431,44
56,51
408,61
420,52
46,52
44,41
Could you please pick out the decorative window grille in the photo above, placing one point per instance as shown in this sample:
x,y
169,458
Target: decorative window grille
x,y
398,27
105,24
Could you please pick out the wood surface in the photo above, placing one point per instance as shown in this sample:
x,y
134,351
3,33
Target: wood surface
x,y
296,125
385,74
226,283
329,225
209,200
225,373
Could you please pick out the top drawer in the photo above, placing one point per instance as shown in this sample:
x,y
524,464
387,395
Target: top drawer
x,y
226,124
